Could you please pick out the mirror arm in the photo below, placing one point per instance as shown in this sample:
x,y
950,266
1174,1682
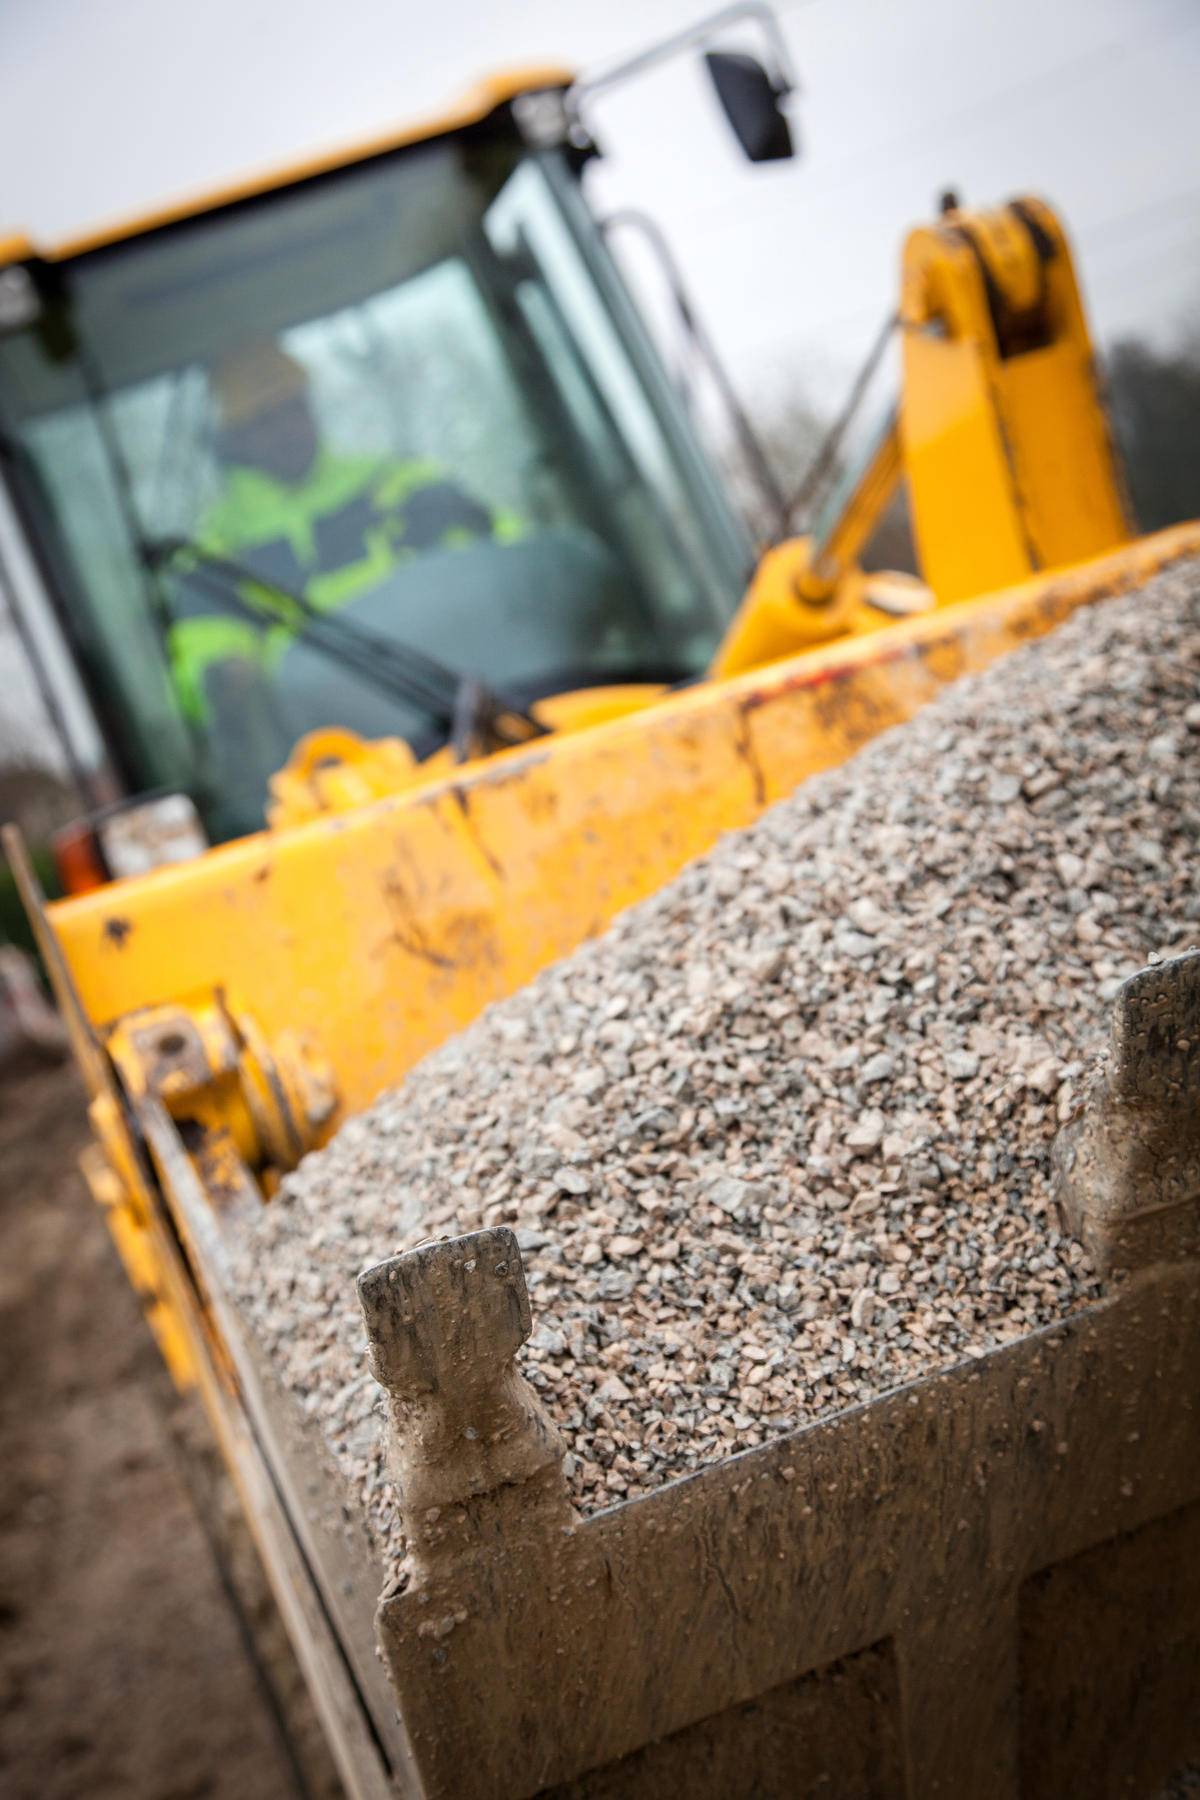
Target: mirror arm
x,y
774,499
783,75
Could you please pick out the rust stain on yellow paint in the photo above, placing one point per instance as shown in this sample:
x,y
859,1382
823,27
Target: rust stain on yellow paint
x,y
383,930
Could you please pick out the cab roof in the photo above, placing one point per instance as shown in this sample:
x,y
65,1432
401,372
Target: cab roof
x,y
472,108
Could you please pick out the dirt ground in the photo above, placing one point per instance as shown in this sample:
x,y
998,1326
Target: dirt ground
x,y
135,1633
139,1654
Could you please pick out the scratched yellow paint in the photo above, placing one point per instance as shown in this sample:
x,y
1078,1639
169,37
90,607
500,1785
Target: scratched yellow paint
x,y
378,932
142,1264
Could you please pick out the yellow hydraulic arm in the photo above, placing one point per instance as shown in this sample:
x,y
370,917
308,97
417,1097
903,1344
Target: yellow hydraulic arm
x,y
1006,446
1001,439
1000,435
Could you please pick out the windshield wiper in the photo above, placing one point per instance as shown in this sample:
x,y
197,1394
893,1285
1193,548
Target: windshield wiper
x,y
477,719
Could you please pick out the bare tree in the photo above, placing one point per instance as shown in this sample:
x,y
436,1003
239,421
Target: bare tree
x,y
1155,402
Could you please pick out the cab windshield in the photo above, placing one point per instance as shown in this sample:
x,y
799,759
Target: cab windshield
x,y
400,418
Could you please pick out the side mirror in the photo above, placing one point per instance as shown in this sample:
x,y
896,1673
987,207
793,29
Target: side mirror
x,y
750,101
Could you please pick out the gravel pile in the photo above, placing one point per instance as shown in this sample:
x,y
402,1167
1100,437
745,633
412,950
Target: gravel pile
x,y
780,1139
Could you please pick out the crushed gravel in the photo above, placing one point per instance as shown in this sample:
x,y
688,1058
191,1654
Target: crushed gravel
x,y
780,1139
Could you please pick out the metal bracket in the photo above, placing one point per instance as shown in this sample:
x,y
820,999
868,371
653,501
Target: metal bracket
x,y
1127,1169
473,1452
216,1073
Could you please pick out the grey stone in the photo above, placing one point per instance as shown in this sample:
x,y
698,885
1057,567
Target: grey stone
x,y
693,1082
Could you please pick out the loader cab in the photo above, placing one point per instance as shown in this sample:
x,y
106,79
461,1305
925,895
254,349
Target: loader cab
x,y
453,308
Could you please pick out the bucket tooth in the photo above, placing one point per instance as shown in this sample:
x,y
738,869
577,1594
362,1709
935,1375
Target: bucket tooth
x,y
470,1447
1127,1168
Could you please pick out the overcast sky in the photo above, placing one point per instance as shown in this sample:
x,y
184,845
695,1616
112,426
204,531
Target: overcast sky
x,y
111,105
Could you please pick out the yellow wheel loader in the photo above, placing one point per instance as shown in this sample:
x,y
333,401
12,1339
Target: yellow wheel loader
x,y
477,741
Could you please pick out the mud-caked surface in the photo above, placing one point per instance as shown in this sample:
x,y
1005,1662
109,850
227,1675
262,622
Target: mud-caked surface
x,y
123,1664
780,1139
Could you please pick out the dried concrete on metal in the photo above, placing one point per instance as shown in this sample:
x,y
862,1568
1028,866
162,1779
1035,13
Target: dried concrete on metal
x,y
780,1139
